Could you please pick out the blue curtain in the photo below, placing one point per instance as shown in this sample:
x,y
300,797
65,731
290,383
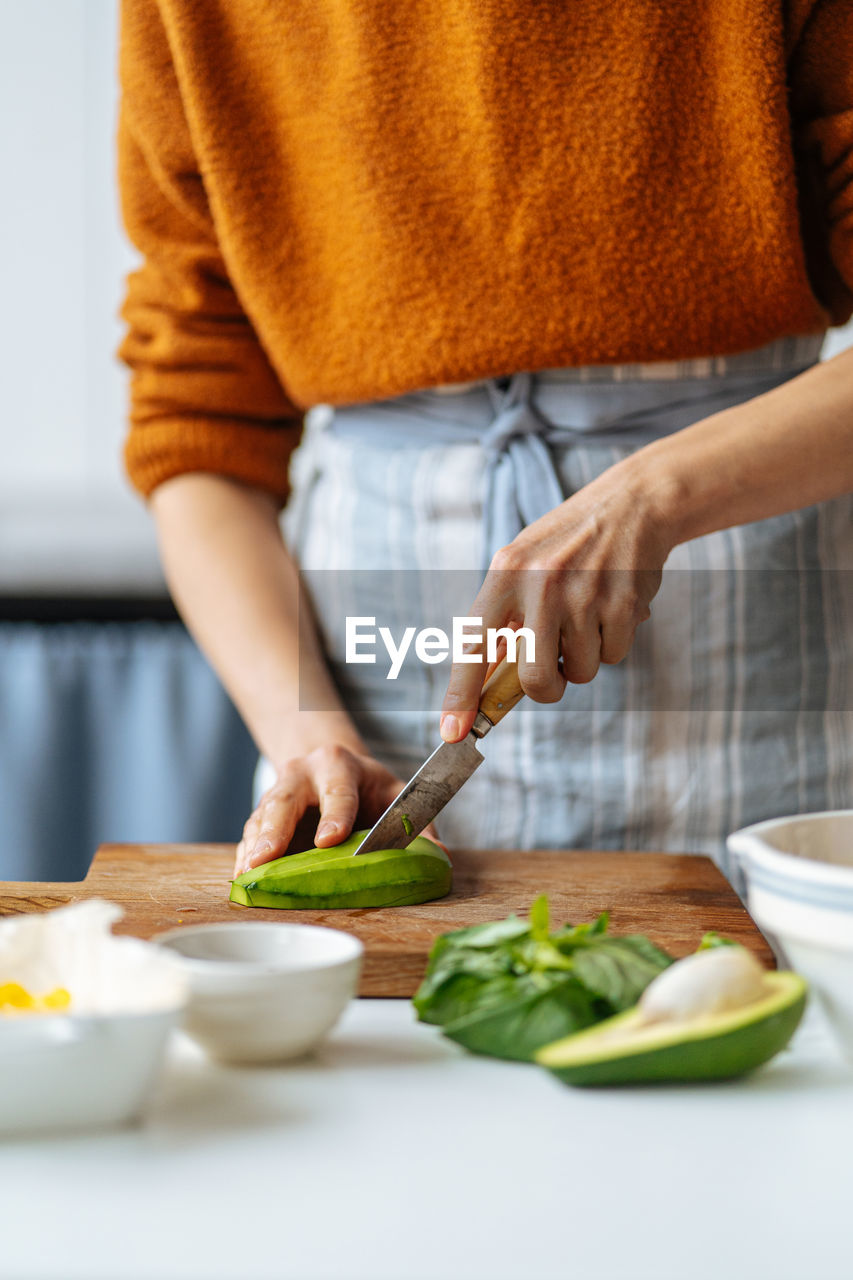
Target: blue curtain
x,y
113,731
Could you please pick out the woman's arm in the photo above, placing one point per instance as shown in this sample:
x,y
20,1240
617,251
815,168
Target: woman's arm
x,y
783,450
786,449
212,430
238,591
237,588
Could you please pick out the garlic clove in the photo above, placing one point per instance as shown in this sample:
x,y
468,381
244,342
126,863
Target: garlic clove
x,y
708,982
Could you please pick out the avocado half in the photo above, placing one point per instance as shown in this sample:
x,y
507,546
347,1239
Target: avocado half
x,y
626,1049
329,878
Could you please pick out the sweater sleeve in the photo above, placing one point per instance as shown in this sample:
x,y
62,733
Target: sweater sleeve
x,y
203,396
821,97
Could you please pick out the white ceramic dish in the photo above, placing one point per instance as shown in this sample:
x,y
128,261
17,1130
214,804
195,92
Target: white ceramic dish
x,y
799,878
87,1072
94,1065
264,992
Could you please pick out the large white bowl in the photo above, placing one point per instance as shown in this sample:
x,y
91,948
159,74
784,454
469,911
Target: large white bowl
x,y
264,992
799,879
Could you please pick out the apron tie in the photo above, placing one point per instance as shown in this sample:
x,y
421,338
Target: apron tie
x,y
521,482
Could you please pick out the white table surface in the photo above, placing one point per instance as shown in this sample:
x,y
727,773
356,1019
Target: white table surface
x,y
393,1155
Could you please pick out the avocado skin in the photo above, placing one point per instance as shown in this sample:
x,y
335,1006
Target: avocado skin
x,y
321,879
715,1056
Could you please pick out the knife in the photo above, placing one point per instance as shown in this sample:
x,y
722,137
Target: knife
x,y
445,771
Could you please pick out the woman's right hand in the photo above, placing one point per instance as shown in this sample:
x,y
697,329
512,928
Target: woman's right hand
x,y
238,591
346,785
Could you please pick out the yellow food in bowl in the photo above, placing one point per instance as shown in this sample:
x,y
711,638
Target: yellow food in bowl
x,y
16,999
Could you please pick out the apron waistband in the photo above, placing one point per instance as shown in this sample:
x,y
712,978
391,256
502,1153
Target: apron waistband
x,y
518,421
794,352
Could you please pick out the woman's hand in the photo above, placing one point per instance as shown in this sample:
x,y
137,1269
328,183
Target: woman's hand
x,y
346,785
583,576
582,579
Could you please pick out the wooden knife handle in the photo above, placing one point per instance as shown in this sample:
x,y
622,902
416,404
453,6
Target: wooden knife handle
x,y
501,691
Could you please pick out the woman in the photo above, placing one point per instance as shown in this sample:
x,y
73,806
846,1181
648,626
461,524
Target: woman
x,y
565,271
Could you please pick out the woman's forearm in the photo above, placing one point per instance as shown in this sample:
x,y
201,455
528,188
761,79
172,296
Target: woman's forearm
x,y
237,589
786,449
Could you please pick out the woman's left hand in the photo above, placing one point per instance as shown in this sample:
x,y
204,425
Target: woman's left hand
x,y
582,579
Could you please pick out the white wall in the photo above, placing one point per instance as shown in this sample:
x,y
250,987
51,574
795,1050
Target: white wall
x,y
67,516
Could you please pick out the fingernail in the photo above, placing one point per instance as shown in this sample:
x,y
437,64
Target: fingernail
x,y
326,829
262,847
449,728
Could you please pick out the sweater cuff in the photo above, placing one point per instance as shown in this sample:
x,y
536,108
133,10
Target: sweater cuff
x,y
258,456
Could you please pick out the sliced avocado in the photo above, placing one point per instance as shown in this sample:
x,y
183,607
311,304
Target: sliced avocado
x,y
627,1049
328,878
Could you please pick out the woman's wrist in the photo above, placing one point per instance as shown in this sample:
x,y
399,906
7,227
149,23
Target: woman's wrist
x,y
697,480
650,482
783,450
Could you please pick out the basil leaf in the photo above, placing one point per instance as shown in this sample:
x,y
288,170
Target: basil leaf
x,y
572,934
541,1009
530,955
464,994
713,939
482,935
539,918
452,986
618,970
508,987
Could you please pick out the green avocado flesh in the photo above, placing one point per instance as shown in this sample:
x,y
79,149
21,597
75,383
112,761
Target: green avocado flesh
x,y
624,1050
328,878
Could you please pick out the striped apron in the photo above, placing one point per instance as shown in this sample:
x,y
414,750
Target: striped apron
x,y
735,703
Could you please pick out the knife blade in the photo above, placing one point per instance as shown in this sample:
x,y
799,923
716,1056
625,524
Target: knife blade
x,y
445,771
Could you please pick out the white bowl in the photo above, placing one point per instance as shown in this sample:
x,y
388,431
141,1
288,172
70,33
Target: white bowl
x,y
799,880
94,1063
263,992
61,1072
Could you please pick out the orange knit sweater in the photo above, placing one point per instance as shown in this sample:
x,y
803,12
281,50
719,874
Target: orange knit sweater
x,y
342,200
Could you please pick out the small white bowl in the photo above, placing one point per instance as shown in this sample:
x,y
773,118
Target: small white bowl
x,y
79,1072
93,1064
94,1068
262,992
799,880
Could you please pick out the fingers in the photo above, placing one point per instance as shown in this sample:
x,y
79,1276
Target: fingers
x,y
495,606
463,692
431,834
580,646
268,831
623,613
339,781
602,630
582,618
616,640
461,700
336,777
541,677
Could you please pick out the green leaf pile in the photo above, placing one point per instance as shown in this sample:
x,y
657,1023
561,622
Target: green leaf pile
x,y
509,987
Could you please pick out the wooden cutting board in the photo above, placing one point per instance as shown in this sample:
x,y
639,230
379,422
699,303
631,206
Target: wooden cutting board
x,y
673,898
